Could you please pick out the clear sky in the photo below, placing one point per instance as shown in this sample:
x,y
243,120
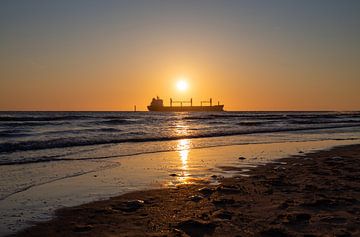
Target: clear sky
x,y
112,55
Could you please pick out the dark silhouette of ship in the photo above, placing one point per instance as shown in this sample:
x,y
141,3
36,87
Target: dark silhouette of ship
x,y
157,104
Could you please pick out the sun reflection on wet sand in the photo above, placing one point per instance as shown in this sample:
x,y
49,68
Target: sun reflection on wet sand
x,y
183,150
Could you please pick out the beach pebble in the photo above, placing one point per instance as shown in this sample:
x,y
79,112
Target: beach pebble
x,y
279,168
218,177
223,201
173,175
196,198
82,228
299,218
337,158
222,214
274,232
206,191
130,206
334,219
269,191
197,228
178,232
242,158
229,189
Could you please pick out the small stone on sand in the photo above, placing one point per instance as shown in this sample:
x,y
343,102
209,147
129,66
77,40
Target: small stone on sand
x,y
82,228
130,206
197,228
196,198
206,191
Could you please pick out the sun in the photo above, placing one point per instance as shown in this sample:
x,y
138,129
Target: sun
x,y
182,85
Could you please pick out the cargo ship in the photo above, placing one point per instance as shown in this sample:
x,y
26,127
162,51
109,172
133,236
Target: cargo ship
x,y
157,104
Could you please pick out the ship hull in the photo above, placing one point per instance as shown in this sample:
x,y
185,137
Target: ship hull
x,y
186,108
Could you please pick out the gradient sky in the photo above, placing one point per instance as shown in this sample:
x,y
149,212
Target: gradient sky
x,y
111,55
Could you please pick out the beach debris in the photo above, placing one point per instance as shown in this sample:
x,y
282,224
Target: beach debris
x,y
286,204
279,168
106,211
269,191
229,189
196,198
337,158
334,219
149,200
272,232
130,206
322,203
299,218
206,191
301,152
178,232
242,158
223,201
222,214
217,177
173,175
196,228
82,228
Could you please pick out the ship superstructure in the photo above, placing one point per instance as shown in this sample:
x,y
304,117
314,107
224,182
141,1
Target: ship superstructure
x,y
157,104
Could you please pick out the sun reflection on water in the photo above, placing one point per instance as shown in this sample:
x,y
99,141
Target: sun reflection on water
x,y
181,128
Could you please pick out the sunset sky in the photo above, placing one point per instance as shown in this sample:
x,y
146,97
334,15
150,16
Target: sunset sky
x,y
112,55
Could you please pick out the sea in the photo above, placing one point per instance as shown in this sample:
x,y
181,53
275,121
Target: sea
x,y
28,137
38,149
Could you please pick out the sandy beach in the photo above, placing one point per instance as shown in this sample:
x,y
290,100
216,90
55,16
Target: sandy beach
x,y
316,194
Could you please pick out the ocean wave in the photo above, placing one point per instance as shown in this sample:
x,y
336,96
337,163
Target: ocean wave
x,y
115,121
252,123
8,147
42,118
99,130
322,121
32,124
12,133
239,116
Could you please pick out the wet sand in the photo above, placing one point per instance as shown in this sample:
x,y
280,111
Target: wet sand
x,y
317,194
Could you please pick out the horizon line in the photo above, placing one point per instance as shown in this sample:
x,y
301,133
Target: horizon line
x,y
4,111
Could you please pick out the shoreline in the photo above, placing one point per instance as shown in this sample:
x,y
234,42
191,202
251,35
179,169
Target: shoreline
x,y
316,193
122,175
